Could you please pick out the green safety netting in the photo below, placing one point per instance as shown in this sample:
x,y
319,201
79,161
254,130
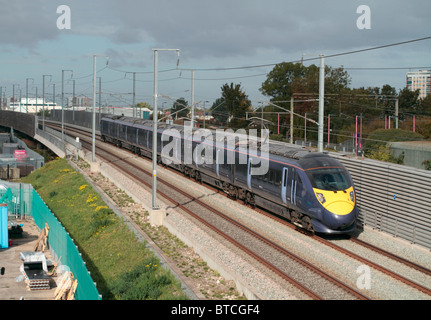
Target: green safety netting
x,y
25,202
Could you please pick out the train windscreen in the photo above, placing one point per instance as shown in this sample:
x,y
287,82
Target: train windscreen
x,y
331,179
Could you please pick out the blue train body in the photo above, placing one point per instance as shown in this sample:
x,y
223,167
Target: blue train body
x,y
312,190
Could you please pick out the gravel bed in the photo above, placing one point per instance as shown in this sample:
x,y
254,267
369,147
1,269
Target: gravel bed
x,y
292,268
329,260
233,263
388,263
289,266
249,278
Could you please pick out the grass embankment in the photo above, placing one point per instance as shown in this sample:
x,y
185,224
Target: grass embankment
x,y
120,265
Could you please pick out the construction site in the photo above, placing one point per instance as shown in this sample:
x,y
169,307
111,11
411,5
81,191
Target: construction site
x,y
38,259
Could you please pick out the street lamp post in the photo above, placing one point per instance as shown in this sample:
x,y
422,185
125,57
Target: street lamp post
x,y
43,100
26,91
155,114
205,111
93,158
13,95
305,129
36,107
62,103
329,128
321,103
93,149
193,100
1,96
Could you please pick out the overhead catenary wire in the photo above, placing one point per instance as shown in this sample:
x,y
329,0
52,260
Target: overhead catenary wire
x,y
315,58
292,61
109,67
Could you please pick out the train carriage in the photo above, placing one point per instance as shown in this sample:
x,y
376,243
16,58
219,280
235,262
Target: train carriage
x,y
312,190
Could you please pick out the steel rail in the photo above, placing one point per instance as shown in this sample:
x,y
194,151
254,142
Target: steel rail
x,y
219,232
282,250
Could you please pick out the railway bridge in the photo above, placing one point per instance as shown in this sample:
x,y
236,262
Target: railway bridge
x,y
391,198
26,123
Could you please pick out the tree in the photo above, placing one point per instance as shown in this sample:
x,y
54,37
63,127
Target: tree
x,y
237,104
425,105
377,141
287,78
218,111
388,94
283,80
180,107
408,102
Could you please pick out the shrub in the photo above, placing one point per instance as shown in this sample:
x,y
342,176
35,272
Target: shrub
x,y
377,141
100,219
142,283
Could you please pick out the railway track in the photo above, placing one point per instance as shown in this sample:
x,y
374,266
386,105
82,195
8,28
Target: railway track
x,y
276,248
283,263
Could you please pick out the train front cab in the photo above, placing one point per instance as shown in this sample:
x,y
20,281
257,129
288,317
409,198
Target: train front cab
x,y
334,194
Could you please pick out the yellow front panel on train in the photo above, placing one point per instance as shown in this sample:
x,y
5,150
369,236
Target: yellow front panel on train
x,y
339,202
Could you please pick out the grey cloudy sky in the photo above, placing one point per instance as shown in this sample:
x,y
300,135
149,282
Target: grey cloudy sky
x,y
209,34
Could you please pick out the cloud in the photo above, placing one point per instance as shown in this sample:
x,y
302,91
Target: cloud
x,y
218,28
211,34
25,24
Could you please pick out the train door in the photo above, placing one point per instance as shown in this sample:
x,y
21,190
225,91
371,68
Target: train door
x,y
288,185
177,150
218,162
292,186
249,172
284,184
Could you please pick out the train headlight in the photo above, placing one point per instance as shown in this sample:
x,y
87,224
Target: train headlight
x,y
352,196
321,197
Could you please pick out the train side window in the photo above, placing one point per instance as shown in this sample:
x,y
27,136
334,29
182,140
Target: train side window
x,y
300,190
271,176
277,178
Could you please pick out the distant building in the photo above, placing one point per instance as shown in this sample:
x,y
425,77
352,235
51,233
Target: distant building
x,y
81,101
419,80
31,105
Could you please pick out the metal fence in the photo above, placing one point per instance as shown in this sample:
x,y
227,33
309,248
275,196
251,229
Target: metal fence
x,y
20,201
32,160
58,135
23,203
392,198
79,118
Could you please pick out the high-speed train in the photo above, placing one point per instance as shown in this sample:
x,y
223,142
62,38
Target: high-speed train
x,y
311,189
